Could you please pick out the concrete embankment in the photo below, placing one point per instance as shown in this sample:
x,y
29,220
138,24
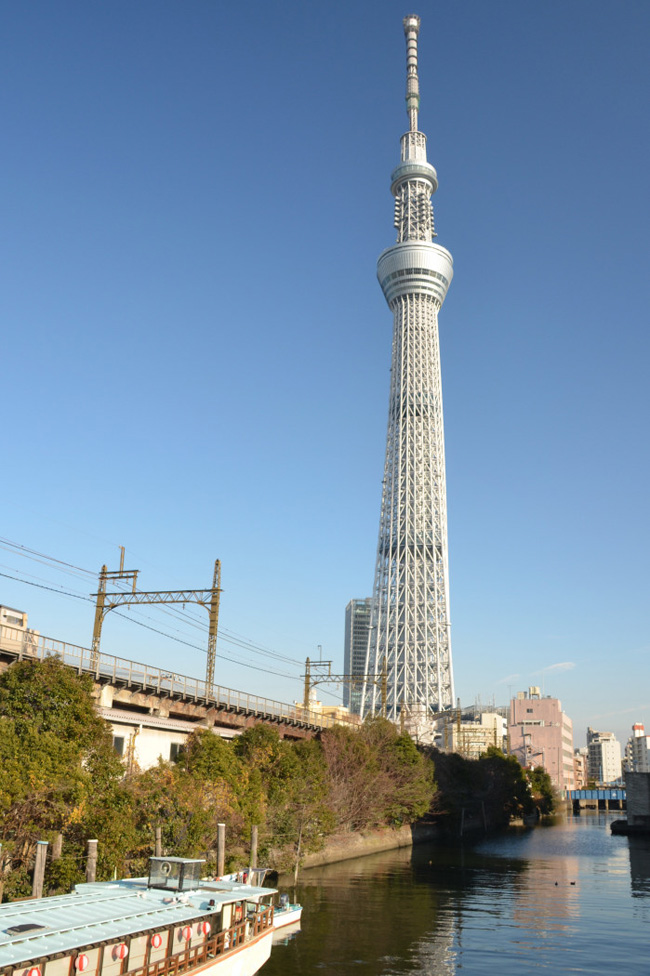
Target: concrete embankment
x,y
342,847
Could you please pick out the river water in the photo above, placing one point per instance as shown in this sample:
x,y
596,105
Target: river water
x,y
566,898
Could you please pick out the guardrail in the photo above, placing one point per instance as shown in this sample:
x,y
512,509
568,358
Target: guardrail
x,y
105,667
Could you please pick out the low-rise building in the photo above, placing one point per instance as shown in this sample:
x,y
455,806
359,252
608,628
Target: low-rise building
x,y
14,632
580,770
471,739
541,734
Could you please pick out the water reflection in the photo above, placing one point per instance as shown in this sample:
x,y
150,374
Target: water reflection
x,y
639,850
557,898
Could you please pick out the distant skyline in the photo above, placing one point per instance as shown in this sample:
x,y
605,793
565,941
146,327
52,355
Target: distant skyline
x,y
196,350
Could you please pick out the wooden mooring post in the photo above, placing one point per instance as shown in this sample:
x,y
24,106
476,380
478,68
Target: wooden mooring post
x,y
254,846
221,849
158,842
91,861
39,869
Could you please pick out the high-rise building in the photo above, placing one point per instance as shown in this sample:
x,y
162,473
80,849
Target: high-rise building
x,y
410,604
357,628
603,756
541,734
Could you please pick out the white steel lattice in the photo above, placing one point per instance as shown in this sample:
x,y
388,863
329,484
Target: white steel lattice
x,y
410,606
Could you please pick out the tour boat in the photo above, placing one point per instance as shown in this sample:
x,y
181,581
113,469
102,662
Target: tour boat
x,y
168,924
286,913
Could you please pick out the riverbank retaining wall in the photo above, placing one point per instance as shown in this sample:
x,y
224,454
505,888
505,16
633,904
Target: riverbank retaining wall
x,y
342,847
637,786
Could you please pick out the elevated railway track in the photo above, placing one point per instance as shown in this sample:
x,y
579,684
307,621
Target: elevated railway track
x,y
141,690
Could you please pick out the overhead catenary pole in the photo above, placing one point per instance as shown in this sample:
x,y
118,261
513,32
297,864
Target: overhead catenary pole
x,y
105,602
214,624
320,673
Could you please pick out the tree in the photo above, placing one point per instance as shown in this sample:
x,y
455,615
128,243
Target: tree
x,y
542,790
376,776
56,756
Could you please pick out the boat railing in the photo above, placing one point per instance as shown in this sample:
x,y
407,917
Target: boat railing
x,y
194,956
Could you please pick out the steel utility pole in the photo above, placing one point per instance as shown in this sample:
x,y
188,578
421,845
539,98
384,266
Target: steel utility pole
x,y
105,602
323,675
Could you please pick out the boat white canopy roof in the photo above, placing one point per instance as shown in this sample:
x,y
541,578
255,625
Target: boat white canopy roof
x,y
106,912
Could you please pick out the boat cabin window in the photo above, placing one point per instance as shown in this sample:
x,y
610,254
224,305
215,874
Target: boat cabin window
x,y
174,873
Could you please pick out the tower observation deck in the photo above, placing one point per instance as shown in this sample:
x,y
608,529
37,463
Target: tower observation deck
x,y
410,605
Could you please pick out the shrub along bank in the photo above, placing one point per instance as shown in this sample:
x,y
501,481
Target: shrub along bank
x,y
59,777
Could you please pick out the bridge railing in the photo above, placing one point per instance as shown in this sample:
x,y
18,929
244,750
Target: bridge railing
x,y
598,793
106,667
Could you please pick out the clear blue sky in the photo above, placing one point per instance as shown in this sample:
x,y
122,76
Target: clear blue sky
x,y
195,348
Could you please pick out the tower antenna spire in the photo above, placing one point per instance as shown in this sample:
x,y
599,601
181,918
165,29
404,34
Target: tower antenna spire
x,y
411,30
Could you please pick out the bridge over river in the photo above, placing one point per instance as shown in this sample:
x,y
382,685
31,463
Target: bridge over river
x,y
599,798
152,710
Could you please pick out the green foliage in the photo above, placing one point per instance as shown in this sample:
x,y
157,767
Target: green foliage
x,y
376,776
542,790
492,790
59,774
57,765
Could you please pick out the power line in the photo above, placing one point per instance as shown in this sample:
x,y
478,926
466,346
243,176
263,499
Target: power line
x,y
42,587
236,640
225,636
139,623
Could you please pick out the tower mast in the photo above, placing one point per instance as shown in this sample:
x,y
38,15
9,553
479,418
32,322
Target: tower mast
x,y
410,605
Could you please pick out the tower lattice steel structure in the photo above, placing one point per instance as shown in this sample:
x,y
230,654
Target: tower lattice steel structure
x,y
410,607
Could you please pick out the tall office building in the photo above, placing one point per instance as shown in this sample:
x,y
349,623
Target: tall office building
x,y
410,604
357,628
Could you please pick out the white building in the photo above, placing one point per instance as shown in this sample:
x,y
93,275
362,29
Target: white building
x,y
603,756
637,750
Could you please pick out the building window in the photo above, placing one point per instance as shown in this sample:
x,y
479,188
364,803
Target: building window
x,y
529,711
176,749
118,744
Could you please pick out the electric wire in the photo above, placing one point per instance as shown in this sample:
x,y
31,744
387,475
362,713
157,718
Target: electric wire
x,y
225,636
139,623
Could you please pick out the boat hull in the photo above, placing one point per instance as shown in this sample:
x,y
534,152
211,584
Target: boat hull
x,y
246,960
287,916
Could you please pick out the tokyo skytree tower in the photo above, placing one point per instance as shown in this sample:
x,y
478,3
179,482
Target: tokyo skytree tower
x,y
409,633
